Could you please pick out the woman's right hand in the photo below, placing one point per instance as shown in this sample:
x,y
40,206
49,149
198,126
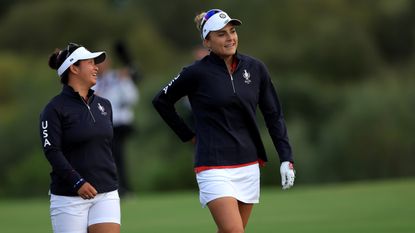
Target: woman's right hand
x,y
193,140
87,191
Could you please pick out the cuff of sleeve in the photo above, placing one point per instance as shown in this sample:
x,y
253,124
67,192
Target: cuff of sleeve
x,y
79,183
75,180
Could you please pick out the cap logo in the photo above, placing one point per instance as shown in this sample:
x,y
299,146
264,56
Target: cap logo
x,y
222,15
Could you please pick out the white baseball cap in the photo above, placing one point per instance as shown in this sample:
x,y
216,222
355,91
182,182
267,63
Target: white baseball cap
x,y
215,20
80,53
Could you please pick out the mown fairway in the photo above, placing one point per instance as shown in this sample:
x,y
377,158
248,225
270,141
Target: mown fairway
x,y
378,207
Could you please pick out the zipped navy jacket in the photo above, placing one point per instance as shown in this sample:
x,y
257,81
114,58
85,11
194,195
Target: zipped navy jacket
x,y
76,139
224,108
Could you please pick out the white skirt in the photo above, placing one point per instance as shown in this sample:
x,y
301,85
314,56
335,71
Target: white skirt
x,y
74,214
242,183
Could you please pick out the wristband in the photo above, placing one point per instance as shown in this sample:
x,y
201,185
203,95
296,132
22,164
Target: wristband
x,y
80,181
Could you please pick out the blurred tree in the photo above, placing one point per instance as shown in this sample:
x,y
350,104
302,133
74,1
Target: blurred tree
x,y
394,30
372,135
40,26
175,21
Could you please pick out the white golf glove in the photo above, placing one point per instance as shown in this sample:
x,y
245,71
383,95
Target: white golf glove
x,y
287,174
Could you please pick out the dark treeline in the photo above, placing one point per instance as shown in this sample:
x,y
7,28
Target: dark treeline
x,y
343,70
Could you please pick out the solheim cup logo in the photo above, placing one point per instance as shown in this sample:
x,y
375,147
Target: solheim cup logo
x,y
102,109
247,77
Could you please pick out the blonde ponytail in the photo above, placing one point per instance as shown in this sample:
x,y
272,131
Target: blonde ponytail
x,y
198,20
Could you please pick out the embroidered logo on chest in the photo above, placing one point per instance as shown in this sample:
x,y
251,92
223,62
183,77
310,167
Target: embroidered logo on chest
x,y
102,109
247,77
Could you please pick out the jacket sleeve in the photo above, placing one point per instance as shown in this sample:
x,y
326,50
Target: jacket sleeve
x,y
51,138
271,109
165,100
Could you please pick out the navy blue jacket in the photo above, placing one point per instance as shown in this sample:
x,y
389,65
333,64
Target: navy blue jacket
x,y
76,139
224,108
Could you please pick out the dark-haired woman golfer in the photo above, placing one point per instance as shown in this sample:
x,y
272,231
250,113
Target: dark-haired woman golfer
x,y
76,133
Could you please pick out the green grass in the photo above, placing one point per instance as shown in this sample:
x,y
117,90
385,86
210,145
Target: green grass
x,y
378,207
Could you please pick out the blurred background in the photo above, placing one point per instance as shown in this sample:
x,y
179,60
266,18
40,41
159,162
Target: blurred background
x,y
344,71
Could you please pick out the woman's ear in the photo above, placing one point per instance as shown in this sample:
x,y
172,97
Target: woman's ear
x,y
206,44
74,69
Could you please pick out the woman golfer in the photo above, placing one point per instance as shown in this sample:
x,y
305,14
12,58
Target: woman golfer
x,y
76,133
224,89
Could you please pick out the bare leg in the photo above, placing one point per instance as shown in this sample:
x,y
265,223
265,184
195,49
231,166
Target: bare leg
x,y
104,228
245,211
229,215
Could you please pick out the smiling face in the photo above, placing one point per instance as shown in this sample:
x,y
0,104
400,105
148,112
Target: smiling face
x,y
223,42
86,72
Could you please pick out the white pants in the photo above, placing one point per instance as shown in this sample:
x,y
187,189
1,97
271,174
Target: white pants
x,y
74,214
242,183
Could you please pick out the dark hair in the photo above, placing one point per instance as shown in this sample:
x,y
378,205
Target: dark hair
x,y
59,56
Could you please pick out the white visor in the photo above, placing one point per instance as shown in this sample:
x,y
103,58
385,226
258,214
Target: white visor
x,y
217,22
80,53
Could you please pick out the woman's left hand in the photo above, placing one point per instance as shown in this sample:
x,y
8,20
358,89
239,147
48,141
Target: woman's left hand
x,y
287,174
87,191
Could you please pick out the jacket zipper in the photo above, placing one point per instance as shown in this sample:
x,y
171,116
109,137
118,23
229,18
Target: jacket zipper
x,y
233,85
89,109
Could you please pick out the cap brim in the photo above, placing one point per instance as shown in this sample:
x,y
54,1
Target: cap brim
x,y
219,25
97,56
100,58
235,22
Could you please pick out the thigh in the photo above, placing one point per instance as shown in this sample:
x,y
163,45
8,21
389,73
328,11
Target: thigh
x,y
245,210
225,212
104,228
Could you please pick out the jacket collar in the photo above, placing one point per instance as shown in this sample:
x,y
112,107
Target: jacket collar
x,y
68,90
218,60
